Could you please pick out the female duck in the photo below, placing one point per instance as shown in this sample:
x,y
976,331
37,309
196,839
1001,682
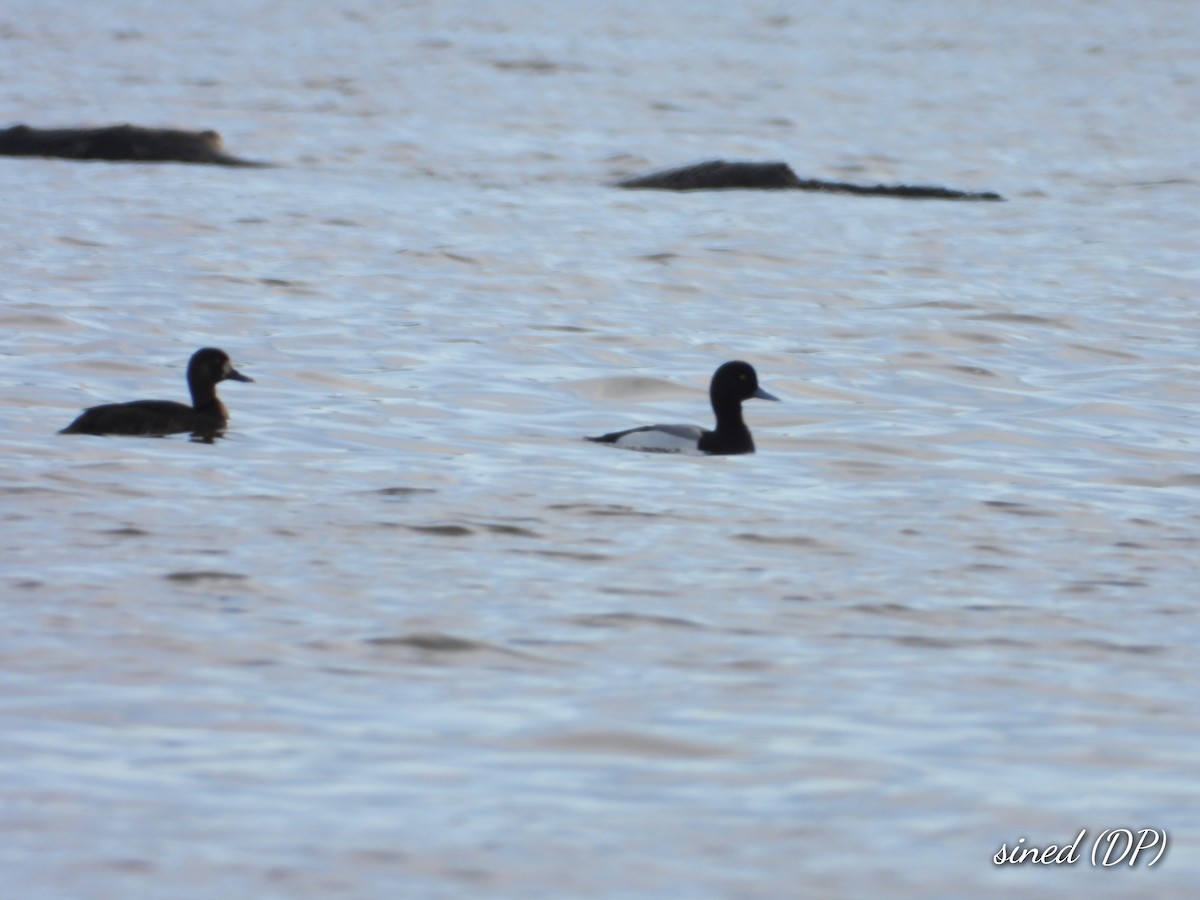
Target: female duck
x,y
731,384
206,417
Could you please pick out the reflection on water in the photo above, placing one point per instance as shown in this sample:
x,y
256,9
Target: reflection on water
x,y
402,625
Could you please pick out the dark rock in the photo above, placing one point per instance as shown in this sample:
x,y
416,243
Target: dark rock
x,y
722,175
128,143
718,175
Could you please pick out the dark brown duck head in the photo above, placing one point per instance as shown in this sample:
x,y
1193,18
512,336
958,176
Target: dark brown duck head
x,y
205,418
207,368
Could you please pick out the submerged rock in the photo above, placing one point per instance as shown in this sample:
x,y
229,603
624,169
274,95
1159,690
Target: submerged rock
x,y
722,175
718,175
120,143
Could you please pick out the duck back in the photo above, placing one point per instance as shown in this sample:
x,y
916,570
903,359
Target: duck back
x,y
146,418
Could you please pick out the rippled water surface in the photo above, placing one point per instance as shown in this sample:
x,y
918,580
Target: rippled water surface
x,y
403,633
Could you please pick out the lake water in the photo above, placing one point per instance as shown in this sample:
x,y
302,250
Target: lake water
x,y
404,634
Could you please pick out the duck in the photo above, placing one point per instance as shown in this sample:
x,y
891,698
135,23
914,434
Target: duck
x,y
207,416
732,383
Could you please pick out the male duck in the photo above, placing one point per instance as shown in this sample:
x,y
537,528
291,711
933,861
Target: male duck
x,y
731,384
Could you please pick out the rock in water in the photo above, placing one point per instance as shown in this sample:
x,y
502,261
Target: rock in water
x,y
719,174
123,143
